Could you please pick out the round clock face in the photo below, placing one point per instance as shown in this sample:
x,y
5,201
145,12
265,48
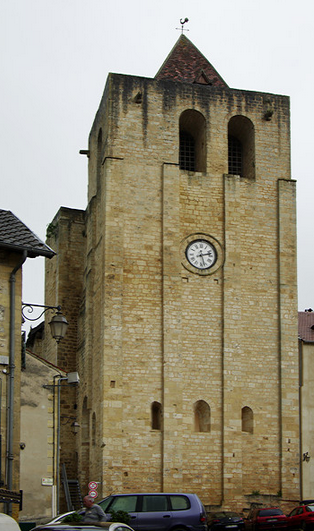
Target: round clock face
x,y
201,254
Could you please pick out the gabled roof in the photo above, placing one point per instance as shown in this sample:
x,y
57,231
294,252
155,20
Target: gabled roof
x,y
44,361
35,333
15,236
187,64
306,322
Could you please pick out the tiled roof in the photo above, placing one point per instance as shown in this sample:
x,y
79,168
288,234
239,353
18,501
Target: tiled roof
x,y
187,64
306,322
14,235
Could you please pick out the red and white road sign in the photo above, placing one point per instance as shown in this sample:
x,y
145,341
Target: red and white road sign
x,y
93,493
92,485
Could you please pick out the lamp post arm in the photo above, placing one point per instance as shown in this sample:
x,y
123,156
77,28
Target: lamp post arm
x,y
30,308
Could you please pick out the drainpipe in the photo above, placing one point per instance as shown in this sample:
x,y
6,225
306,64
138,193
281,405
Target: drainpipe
x,y
11,376
1,482
301,344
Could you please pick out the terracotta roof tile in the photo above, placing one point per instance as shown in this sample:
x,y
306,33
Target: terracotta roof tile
x,y
16,236
187,64
306,322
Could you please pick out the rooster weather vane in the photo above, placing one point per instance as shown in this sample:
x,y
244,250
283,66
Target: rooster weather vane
x,y
182,22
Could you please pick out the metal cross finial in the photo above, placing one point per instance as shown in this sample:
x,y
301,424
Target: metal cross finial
x,y
182,22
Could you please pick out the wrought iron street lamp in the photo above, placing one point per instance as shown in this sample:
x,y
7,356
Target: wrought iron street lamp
x,y
58,324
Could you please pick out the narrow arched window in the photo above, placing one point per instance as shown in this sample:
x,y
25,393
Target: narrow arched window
x,y
241,147
192,136
201,416
85,438
156,416
94,429
99,153
247,419
85,421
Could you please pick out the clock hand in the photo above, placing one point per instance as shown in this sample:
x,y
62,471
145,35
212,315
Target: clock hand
x,y
203,262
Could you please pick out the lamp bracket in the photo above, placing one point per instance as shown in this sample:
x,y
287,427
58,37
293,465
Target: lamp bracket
x,y
29,307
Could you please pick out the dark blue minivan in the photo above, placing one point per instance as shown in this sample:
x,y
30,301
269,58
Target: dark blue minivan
x,y
159,511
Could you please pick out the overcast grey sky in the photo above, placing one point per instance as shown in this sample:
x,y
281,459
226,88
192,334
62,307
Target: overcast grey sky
x,y
56,55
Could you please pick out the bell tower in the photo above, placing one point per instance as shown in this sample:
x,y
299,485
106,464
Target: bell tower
x,y
189,361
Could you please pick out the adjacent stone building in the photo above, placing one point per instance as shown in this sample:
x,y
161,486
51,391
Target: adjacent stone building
x,y
17,243
179,285
38,437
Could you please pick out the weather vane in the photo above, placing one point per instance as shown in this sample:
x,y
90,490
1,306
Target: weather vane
x,y
182,22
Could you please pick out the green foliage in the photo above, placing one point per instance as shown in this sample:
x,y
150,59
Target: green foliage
x,y
120,516
255,493
279,494
268,114
73,517
51,230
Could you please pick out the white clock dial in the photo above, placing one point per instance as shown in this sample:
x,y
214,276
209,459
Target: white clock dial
x,y
201,254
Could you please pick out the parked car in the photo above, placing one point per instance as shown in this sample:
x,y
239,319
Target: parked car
x,y
266,518
302,517
225,520
60,517
159,511
152,512
59,526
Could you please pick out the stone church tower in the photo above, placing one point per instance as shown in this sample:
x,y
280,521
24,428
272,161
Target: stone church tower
x,y
185,266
